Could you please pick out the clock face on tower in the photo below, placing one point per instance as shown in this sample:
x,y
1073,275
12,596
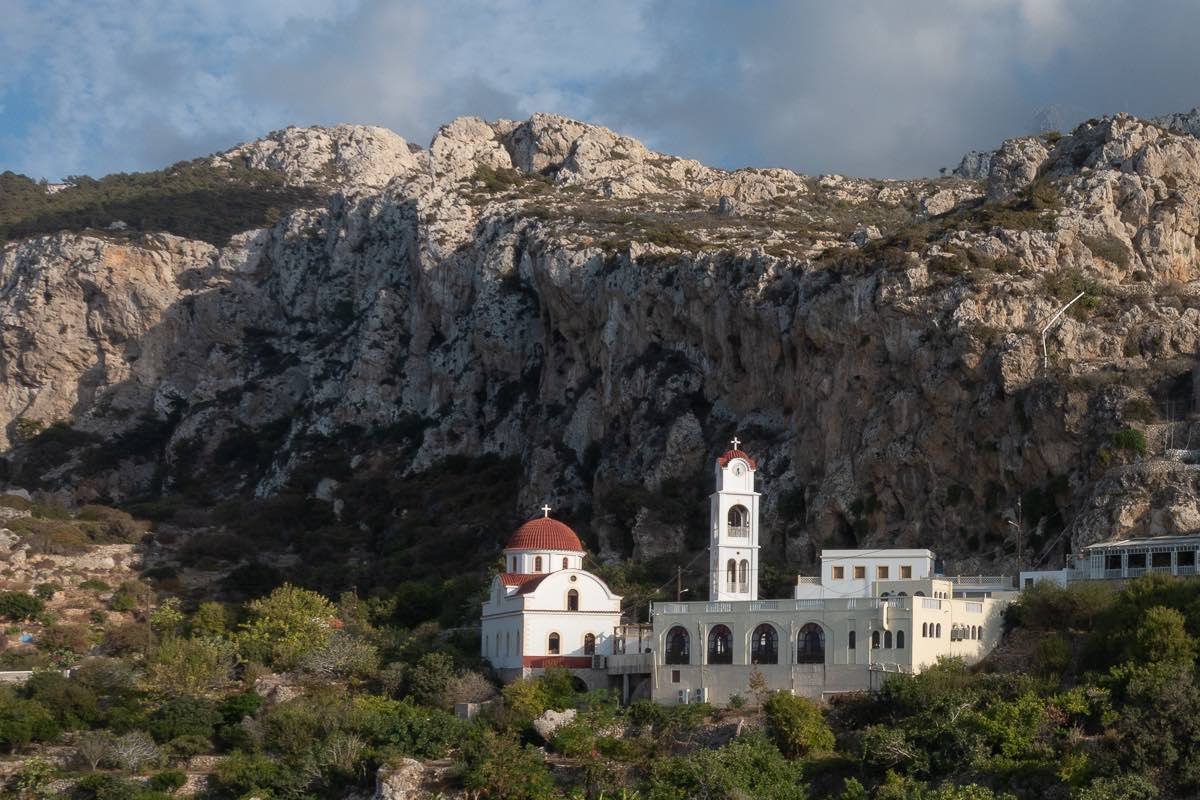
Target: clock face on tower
x,y
738,469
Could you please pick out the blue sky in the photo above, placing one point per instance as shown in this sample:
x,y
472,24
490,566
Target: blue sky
x,y
878,88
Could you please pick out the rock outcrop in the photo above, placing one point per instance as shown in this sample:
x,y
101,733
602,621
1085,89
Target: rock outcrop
x,y
555,293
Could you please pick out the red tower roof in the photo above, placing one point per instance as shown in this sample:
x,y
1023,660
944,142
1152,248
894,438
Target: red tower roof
x,y
732,454
544,533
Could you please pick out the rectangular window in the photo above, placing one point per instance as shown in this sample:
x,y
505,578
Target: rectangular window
x,y
674,676
906,571
1160,559
860,573
1137,560
839,573
1186,558
881,573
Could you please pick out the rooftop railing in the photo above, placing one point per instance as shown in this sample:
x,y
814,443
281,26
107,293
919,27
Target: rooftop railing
x,y
816,604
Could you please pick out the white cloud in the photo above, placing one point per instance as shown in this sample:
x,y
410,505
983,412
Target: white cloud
x,y
886,88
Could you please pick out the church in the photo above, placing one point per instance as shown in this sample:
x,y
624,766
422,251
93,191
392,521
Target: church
x,y
869,614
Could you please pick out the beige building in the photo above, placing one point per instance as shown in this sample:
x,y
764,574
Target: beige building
x,y
870,614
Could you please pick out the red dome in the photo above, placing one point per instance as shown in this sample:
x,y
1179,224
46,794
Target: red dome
x,y
730,455
544,533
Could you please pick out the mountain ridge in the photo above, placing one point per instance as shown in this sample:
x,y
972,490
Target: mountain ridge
x,y
556,294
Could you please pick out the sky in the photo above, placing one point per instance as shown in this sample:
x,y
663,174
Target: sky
x,y
880,88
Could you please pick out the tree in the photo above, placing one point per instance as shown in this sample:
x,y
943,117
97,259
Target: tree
x,y
430,679
24,721
1163,637
134,750
184,716
166,619
93,747
343,656
286,626
796,725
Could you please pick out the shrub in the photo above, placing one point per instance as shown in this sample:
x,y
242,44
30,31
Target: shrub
x,y
190,666
24,721
18,606
184,716
94,585
1130,439
286,626
429,680
747,767
103,786
128,596
167,781
796,725
243,774
210,619
134,750
73,704
73,638
46,591
495,765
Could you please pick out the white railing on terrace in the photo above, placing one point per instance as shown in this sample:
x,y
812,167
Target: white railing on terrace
x,y
833,604
930,602
973,608
983,580
739,531
807,579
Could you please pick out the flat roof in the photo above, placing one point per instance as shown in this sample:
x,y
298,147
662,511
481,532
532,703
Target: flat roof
x,y
1190,538
877,553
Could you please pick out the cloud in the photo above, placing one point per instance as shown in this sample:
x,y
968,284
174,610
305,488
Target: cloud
x,y
871,88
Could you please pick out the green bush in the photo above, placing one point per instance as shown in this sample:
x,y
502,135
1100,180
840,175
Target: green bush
x,y
24,721
796,725
73,704
167,781
1130,439
46,591
184,716
18,606
747,767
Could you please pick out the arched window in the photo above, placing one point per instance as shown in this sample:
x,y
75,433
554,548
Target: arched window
x,y
589,644
537,564
507,644
764,645
739,521
925,630
883,596
918,594
938,635
731,574
899,640
572,600
677,646
975,631
744,576
851,643
552,645
874,640
564,562
901,594
514,564
887,640
720,645
810,645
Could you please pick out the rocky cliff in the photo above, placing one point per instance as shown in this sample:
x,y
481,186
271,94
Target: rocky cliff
x,y
605,317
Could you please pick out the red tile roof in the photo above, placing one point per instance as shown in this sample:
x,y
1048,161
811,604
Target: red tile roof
x,y
544,533
732,454
525,582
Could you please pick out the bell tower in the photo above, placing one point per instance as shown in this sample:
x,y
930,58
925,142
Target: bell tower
x,y
733,534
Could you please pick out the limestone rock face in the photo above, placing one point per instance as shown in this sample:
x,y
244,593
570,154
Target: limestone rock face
x,y
1014,166
356,155
555,293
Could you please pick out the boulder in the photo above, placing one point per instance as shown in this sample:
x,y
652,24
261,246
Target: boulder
x,y
551,721
400,781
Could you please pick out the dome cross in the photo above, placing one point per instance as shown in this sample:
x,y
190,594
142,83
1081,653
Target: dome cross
x,y
546,511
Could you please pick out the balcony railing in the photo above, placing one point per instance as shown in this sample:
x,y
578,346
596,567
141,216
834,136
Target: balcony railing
x,y
739,531
832,604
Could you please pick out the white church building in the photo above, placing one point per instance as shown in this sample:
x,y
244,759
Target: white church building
x,y
868,615
545,609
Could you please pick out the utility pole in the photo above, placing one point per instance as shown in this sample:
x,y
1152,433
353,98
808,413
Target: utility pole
x,y
678,584
1020,526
